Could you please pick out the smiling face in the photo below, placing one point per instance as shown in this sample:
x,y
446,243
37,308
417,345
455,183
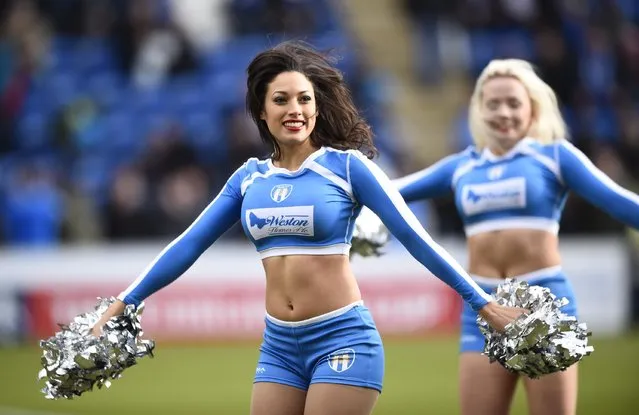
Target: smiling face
x,y
506,110
290,109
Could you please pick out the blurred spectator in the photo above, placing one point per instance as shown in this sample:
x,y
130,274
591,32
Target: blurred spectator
x,y
34,208
22,45
99,17
151,48
243,139
558,65
203,21
167,152
182,195
127,212
628,53
292,17
85,82
629,140
426,16
65,15
598,66
83,218
78,126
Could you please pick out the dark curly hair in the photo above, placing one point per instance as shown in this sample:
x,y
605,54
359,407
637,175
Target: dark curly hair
x,y
339,124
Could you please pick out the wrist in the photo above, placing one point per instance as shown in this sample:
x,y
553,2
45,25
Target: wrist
x,y
487,309
115,309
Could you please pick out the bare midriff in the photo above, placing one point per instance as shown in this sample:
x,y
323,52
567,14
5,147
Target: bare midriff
x,y
511,252
299,287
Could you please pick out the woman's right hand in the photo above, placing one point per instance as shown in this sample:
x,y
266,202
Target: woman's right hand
x,y
499,316
113,310
97,330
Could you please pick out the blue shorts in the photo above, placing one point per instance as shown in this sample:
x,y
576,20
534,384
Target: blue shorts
x,y
341,347
472,340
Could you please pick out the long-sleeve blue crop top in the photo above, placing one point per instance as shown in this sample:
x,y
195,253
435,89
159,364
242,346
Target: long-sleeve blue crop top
x,y
309,211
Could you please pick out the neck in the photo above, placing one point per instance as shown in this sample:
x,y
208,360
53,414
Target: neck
x,y
291,158
499,149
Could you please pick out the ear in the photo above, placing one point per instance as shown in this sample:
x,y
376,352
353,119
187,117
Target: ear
x,y
263,116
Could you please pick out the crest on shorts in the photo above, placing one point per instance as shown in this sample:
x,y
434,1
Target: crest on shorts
x,y
280,192
341,360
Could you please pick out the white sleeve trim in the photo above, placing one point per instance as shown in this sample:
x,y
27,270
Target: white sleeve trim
x,y
329,175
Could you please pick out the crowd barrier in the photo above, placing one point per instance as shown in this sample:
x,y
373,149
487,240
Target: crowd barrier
x,y
222,295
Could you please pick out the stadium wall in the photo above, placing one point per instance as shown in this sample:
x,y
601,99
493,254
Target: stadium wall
x,y
221,296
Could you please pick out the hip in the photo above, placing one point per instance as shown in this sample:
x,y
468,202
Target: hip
x,y
351,324
552,278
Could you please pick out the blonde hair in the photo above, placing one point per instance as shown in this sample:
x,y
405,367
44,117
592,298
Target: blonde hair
x,y
547,123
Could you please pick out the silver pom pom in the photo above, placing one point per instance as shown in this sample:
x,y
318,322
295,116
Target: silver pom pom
x,y
369,235
74,361
542,342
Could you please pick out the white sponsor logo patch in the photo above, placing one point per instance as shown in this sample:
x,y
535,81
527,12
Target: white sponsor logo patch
x,y
499,195
294,220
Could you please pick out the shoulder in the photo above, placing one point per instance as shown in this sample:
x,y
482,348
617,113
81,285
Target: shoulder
x,y
339,161
247,172
460,163
469,154
561,145
550,154
335,156
250,167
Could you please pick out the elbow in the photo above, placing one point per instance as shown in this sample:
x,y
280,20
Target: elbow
x,y
408,237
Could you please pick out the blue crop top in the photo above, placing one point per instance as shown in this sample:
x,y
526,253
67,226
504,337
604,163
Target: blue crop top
x,y
310,211
525,188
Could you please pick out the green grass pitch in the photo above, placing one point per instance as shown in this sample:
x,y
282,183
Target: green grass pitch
x,y
216,379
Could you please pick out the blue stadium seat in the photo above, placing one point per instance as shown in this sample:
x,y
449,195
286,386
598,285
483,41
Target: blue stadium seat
x,y
225,89
105,87
236,53
80,55
188,97
61,87
33,131
92,174
605,124
146,99
339,46
486,45
205,131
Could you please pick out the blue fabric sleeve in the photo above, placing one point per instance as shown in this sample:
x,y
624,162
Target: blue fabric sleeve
x,y
373,189
179,255
433,181
584,178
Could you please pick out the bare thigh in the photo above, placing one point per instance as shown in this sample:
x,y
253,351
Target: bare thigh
x,y
276,399
554,394
485,388
335,399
